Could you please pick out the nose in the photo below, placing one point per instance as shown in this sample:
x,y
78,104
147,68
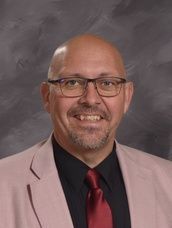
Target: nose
x,y
91,96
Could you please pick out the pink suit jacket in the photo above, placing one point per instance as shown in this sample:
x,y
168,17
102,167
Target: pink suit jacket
x,y
31,195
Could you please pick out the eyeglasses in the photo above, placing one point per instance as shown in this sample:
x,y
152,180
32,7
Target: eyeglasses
x,y
76,86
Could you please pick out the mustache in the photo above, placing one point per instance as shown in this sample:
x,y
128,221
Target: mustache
x,y
89,110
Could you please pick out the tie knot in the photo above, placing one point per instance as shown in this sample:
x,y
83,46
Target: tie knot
x,y
92,178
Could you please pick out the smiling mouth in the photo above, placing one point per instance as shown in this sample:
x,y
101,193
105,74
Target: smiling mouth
x,y
88,117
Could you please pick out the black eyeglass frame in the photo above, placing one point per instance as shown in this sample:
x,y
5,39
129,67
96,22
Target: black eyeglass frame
x,y
88,80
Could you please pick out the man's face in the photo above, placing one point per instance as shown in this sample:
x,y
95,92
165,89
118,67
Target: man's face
x,y
90,121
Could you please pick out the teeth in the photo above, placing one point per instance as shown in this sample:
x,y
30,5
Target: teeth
x,y
90,117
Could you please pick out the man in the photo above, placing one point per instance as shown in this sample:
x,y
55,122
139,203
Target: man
x,y
51,184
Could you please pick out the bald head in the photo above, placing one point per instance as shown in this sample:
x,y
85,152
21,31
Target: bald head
x,y
89,52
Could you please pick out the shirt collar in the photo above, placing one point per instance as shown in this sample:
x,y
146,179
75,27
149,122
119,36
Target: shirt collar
x,y
108,168
71,168
74,170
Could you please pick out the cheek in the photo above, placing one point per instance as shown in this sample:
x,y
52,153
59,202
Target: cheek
x,y
59,107
116,109
56,107
59,110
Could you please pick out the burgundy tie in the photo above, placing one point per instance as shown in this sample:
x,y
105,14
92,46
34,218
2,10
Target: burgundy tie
x,y
98,211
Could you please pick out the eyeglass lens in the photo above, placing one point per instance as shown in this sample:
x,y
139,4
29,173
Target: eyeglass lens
x,y
76,86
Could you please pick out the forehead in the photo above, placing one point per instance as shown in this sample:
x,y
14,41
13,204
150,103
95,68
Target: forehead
x,y
89,57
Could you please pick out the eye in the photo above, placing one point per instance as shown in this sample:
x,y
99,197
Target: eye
x,y
72,83
108,83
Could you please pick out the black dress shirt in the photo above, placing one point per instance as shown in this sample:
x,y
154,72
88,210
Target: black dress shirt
x,y
72,174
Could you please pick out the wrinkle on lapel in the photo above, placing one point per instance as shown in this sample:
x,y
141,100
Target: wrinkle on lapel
x,y
47,194
139,187
43,160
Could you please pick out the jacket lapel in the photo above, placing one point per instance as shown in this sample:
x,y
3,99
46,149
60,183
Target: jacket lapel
x,y
139,187
47,196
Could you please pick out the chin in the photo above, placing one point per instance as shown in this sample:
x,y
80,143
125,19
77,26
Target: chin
x,y
90,141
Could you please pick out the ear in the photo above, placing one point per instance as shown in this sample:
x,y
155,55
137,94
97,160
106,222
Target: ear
x,y
129,89
45,92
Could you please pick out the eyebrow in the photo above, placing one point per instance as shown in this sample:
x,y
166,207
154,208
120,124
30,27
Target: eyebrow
x,y
106,74
83,75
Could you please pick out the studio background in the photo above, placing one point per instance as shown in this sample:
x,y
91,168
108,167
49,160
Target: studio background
x,y
30,31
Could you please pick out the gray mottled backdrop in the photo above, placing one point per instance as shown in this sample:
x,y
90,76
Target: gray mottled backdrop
x,y
30,30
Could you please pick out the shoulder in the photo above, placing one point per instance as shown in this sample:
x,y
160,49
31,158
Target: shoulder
x,y
17,166
149,161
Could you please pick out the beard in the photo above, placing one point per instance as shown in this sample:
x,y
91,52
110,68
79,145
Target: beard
x,y
89,138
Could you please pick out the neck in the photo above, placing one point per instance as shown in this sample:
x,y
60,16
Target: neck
x,y
91,157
